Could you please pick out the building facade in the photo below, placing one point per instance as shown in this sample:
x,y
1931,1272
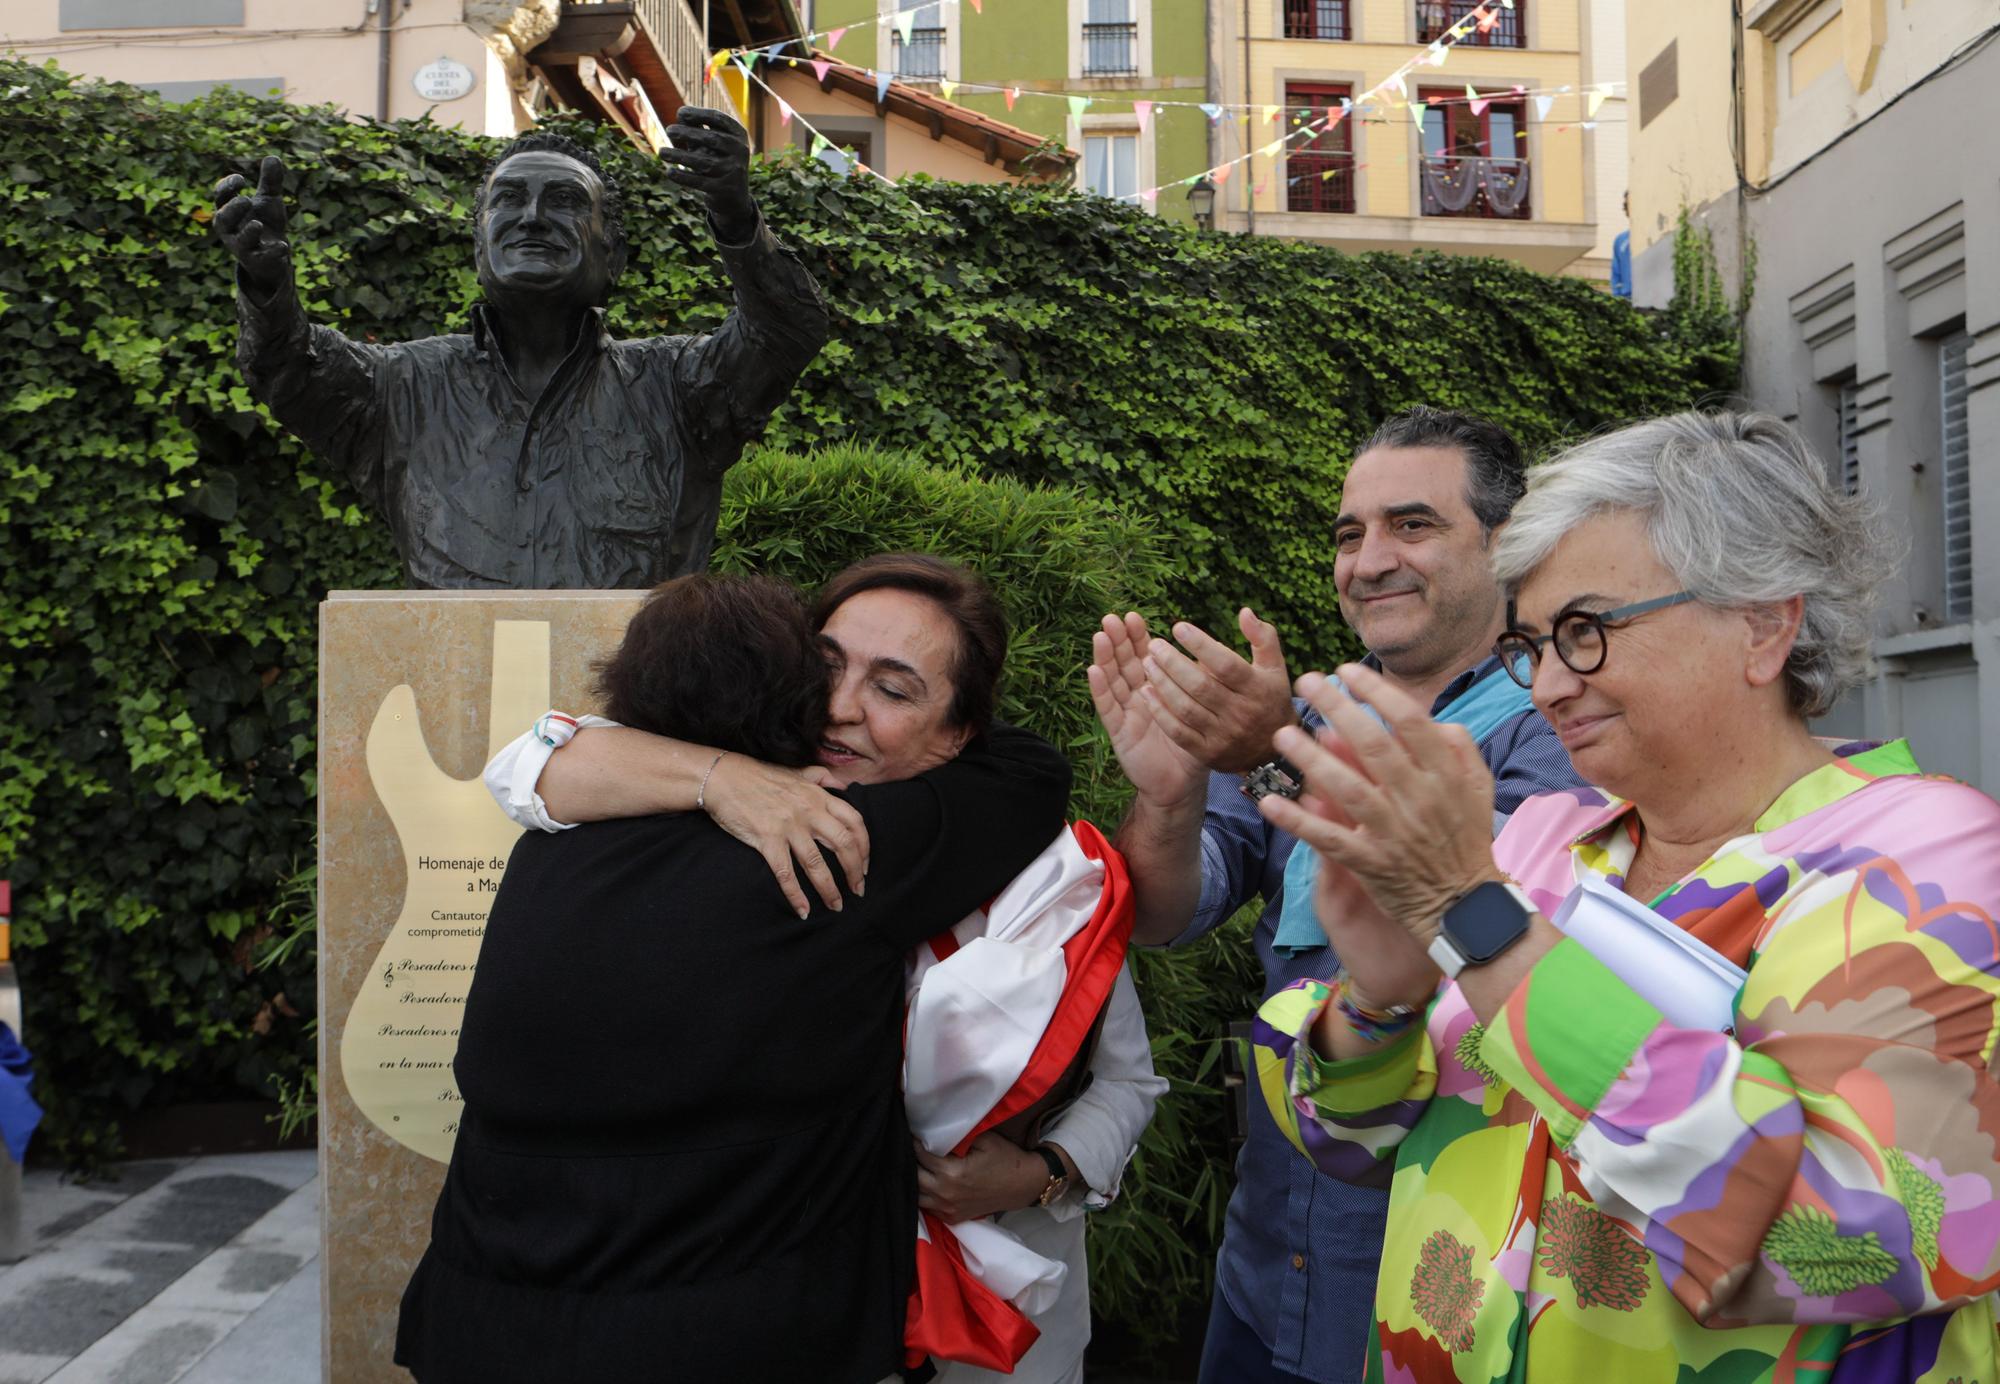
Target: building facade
x,y
1508,171
1833,165
1094,76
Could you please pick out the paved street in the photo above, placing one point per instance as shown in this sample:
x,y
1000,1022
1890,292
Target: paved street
x,y
182,1271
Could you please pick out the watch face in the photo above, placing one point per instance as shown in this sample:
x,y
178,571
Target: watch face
x,y
1485,922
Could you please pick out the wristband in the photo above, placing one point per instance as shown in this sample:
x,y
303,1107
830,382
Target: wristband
x,y
1372,1025
554,729
701,793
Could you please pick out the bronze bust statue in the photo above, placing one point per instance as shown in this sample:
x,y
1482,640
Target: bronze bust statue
x,y
536,450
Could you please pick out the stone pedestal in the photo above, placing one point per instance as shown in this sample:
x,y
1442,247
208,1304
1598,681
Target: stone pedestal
x,y
417,691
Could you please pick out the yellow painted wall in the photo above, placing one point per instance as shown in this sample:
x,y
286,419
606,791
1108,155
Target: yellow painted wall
x,y
1682,157
1387,145
905,147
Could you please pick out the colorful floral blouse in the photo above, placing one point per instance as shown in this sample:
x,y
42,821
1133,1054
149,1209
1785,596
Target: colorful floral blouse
x,y
1584,1192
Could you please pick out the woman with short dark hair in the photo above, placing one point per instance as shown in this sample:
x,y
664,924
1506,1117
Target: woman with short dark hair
x,y
683,1154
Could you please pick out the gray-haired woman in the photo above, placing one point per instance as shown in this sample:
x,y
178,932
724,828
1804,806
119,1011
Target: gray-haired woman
x,y
1749,1130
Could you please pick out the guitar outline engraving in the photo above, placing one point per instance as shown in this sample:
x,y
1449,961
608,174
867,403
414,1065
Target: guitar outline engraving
x,y
399,1037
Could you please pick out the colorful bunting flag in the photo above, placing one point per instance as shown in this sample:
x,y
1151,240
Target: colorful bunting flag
x,y
1597,95
1212,111
1542,105
1219,176
1436,54
833,39
784,112
1334,115
1396,81
1142,111
882,80
979,6
1488,20
906,23
1271,113
1077,106
1272,150
946,86
820,68
771,53
1150,196
1417,109
819,143
1479,106
1013,95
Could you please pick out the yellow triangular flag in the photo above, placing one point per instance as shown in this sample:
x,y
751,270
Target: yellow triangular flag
x,y
1597,95
1270,112
946,86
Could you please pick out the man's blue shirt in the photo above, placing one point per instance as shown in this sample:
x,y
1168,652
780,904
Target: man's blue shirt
x,y
1300,1249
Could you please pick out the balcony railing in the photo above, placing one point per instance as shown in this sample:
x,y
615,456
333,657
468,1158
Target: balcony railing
x,y
1435,19
1455,185
1110,50
922,56
676,34
1322,182
1317,19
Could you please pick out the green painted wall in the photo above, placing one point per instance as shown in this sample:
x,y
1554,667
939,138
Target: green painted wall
x,y
1025,43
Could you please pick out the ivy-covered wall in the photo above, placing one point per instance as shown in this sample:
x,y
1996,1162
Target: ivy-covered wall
x,y
165,545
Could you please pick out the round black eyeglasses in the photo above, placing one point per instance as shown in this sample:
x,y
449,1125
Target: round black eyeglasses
x,y
1579,636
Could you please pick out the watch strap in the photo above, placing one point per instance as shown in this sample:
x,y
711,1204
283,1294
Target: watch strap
x,y
1056,1168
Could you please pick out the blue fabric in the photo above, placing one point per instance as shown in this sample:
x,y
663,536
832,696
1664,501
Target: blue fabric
x,y
1316,1319
1621,265
18,1112
1483,705
1232,1354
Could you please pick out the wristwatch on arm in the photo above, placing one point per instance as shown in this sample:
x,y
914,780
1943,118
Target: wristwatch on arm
x,y
1058,1177
1480,925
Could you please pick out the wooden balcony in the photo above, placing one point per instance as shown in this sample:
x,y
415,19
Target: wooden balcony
x,y
635,63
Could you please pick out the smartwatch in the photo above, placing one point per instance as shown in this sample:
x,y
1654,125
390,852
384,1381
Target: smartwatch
x,y
1479,925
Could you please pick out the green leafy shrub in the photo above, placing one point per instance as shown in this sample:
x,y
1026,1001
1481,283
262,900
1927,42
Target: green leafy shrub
x,y
166,546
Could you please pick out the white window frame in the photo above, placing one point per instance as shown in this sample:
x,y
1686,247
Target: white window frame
x,y
1955,473
1142,15
1119,124
1847,436
885,42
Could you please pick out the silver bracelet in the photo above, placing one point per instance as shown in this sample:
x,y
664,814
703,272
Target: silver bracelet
x,y
701,793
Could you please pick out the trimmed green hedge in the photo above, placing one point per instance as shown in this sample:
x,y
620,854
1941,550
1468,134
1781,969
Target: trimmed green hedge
x,y
166,546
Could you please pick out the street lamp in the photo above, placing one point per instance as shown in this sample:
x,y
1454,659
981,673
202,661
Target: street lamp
x,y
1201,201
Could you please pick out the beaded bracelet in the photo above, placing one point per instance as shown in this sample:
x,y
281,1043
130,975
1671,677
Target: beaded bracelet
x,y
1373,1025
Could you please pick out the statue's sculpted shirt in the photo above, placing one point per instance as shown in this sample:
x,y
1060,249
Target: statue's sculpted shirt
x,y
612,478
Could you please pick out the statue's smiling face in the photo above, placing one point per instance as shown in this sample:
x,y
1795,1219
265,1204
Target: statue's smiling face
x,y
541,227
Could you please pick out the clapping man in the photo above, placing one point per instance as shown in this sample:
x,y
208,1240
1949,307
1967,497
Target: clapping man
x,y
1192,728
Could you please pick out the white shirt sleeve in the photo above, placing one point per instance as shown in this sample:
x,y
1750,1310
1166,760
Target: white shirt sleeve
x,y
512,774
1101,1128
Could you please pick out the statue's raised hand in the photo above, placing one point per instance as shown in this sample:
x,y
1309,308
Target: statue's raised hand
x,y
253,227
711,153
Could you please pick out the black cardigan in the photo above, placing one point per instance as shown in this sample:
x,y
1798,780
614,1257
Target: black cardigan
x,y
683,1155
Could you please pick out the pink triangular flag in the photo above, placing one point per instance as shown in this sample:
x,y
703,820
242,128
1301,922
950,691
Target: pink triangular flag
x,y
1150,196
833,39
820,68
1142,111
1219,176
978,7
784,112
1479,106
1334,114
1013,95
